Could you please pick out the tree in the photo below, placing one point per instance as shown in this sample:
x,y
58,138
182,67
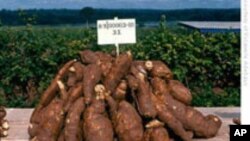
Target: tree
x,y
87,12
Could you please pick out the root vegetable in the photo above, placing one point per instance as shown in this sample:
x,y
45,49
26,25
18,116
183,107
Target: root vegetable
x,y
50,93
134,93
236,121
166,115
190,118
49,128
89,57
106,62
127,122
156,132
118,71
71,79
145,104
159,69
132,82
74,94
180,92
120,91
4,124
97,126
79,70
92,77
72,130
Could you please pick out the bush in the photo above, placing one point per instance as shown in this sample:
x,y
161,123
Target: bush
x,y
30,56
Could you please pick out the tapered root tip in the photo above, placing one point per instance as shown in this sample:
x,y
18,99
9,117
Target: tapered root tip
x,y
72,69
60,84
154,123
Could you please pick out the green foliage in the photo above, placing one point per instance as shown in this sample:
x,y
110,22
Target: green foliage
x,y
194,57
30,57
35,54
204,96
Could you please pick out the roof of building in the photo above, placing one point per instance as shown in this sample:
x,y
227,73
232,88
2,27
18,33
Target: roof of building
x,y
210,25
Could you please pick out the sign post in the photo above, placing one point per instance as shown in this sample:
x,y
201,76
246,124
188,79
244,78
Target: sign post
x,y
116,31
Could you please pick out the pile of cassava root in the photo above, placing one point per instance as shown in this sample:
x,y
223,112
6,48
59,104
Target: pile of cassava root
x,y
107,98
4,125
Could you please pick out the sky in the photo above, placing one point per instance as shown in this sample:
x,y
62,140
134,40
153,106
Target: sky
x,y
117,4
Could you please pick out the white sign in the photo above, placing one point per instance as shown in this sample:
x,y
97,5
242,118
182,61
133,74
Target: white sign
x,y
116,31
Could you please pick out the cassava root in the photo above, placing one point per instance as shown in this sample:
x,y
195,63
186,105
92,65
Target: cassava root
x,y
103,98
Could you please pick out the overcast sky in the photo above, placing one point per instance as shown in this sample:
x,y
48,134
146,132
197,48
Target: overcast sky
x,y
116,4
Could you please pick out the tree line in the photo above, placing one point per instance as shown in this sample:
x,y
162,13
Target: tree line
x,y
90,15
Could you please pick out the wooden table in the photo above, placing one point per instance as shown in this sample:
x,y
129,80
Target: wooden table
x,y
19,121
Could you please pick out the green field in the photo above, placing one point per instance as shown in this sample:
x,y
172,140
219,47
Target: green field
x,y
208,64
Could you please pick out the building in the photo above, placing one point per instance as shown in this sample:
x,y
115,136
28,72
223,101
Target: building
x,y
211,27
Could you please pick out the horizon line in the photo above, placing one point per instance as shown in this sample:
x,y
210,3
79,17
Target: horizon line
x,y
153,9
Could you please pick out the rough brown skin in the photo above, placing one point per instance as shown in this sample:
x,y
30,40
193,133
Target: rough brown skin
x,y
89,57
166,115
72,130
144,101
72,80
4,124
236,121
75,74
138,67
106,62
126,121
120,91
49,128
50,92
180,92
91,77
139,82
79,70
119,69
156,133
32,129
97,126
159,69
74,94
132,82
190,118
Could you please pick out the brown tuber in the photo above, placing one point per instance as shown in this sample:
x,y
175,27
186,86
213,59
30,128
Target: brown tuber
x,y
180,92
156,132
103,98
119,69
73,130
97,125
126,121
91,78
4,124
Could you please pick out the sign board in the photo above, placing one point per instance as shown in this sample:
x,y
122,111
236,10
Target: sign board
x,y
116,31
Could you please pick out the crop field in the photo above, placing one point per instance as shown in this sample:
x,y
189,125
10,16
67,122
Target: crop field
x,y
208,64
